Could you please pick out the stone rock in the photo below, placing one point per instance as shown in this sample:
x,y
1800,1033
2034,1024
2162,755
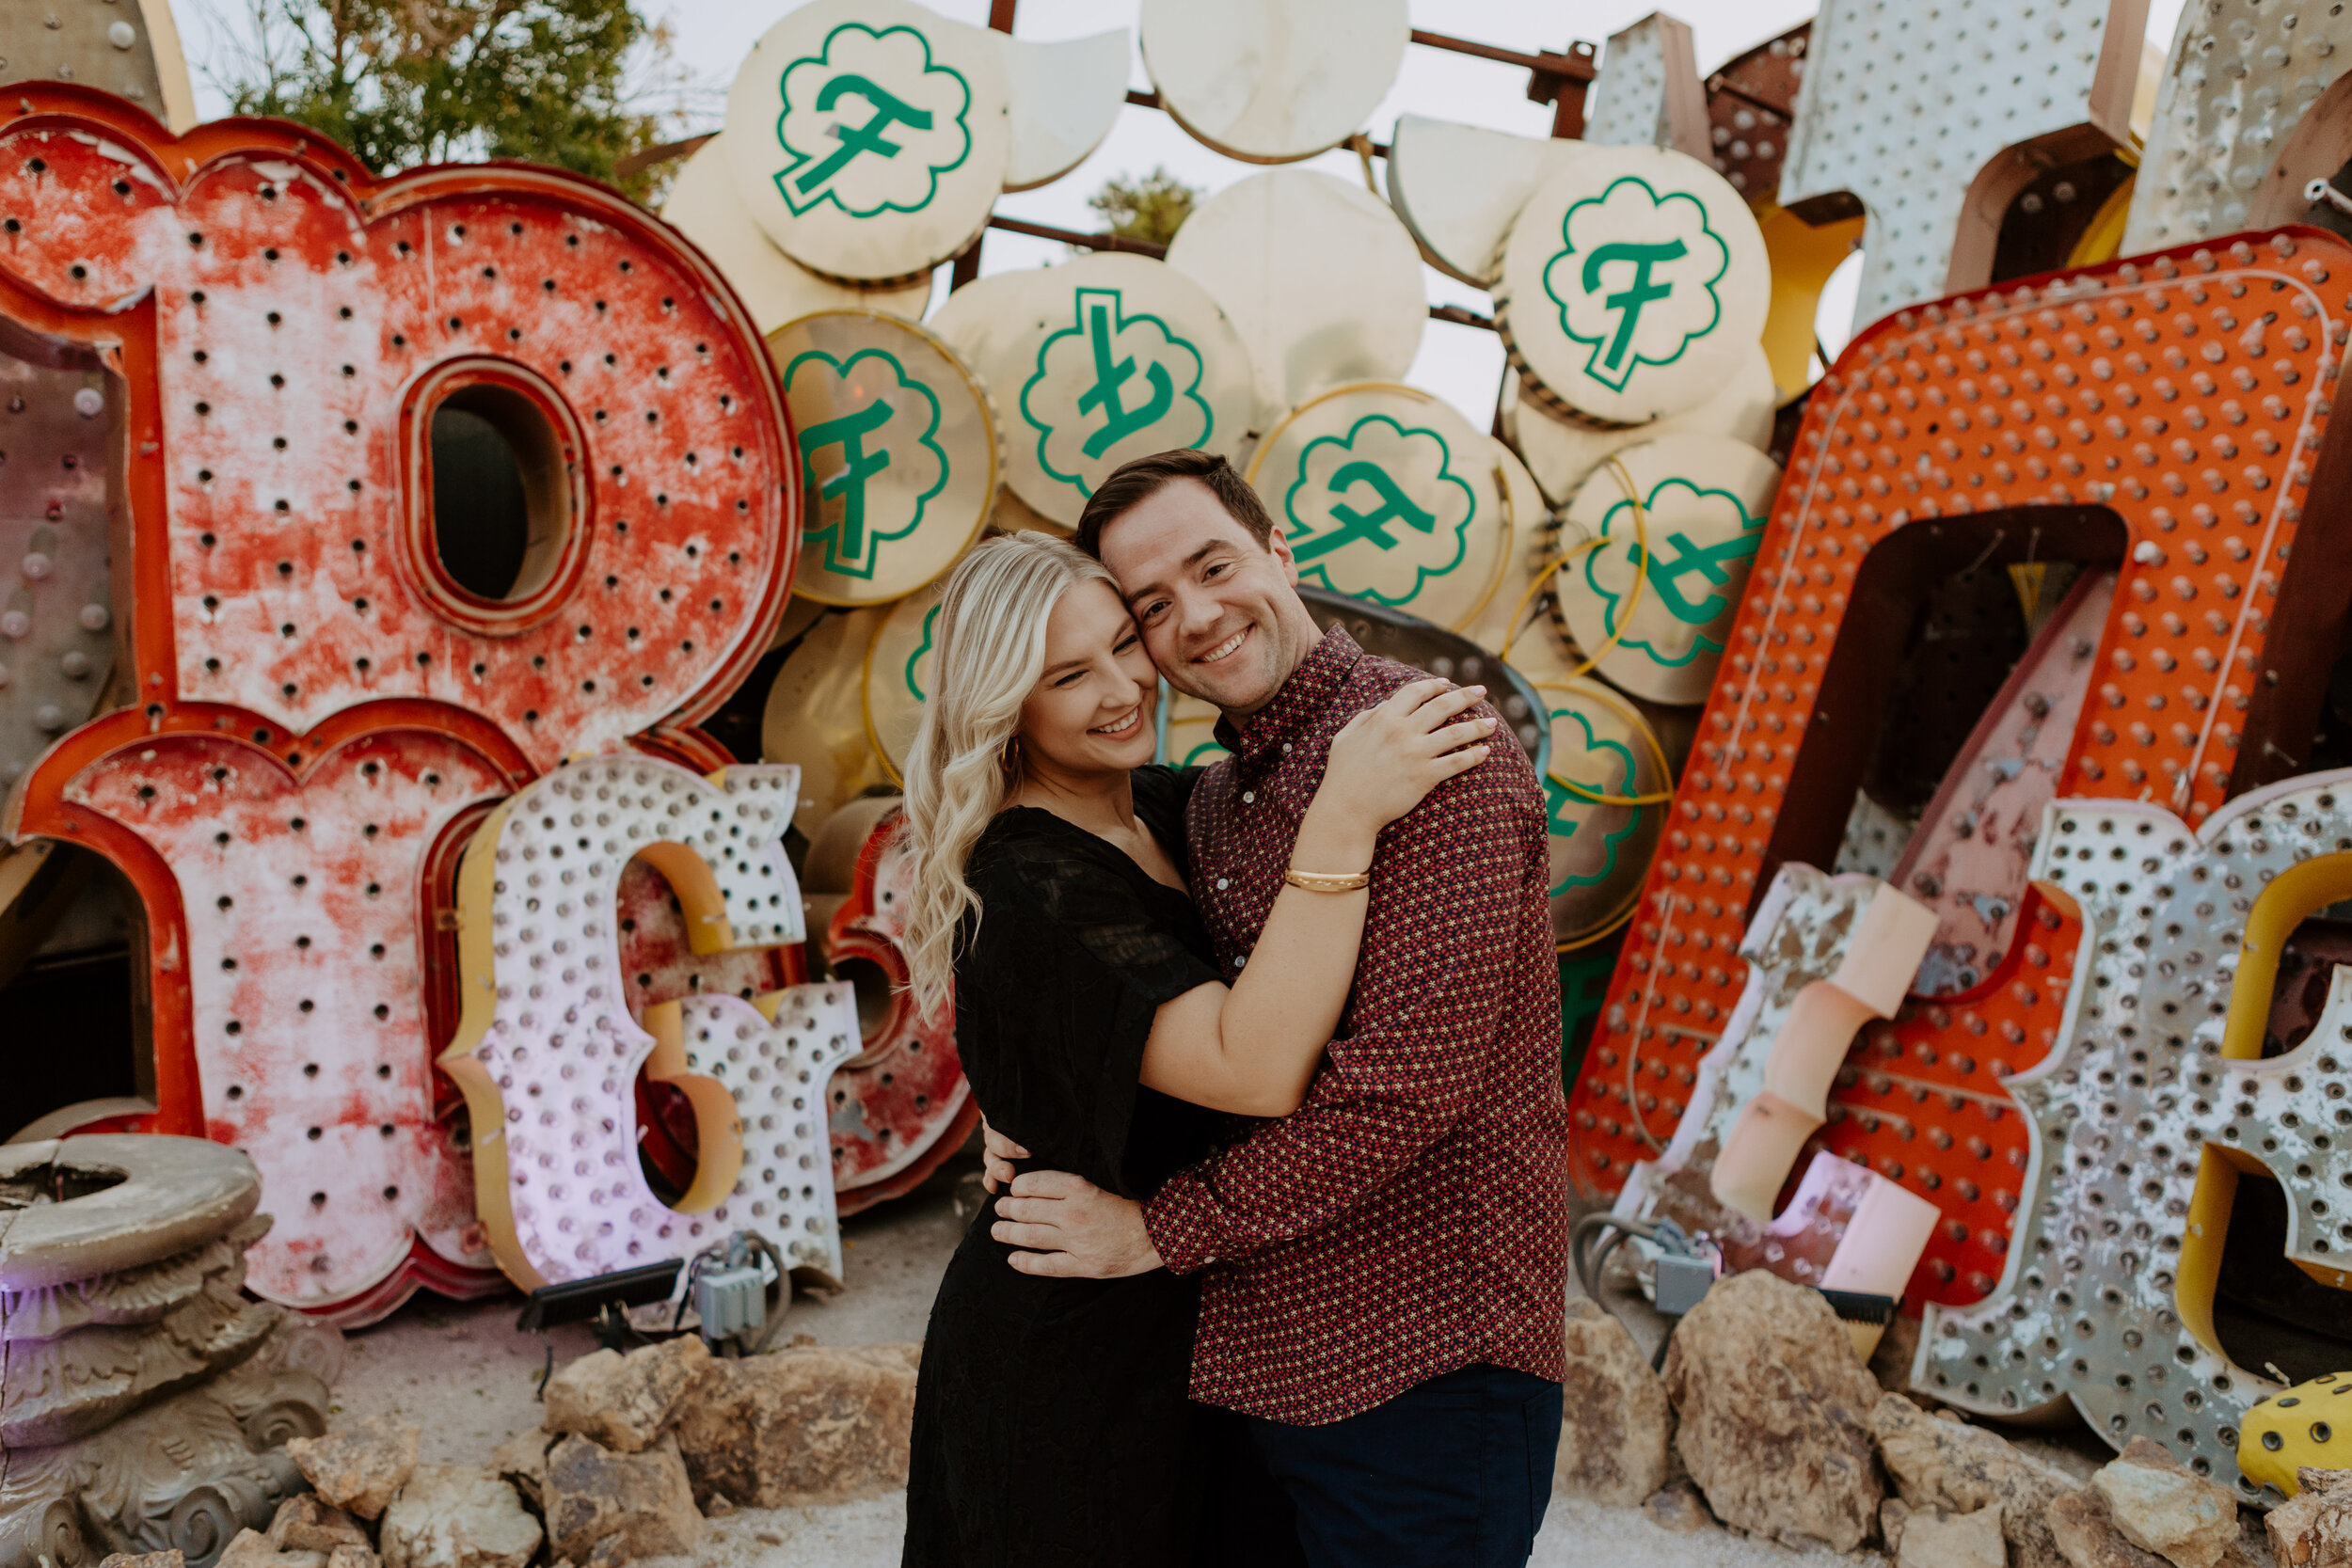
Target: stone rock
x,y
250,1548
359,1466
718,1507
610,1552
2086,1535
643,1498
802,1426
1677,1507
1948,1463
1940,1538
625,1401
454,1516
1616,1441
173,1559
2311,1529
305,1524
522,1459
1893,1514
354,1557
1772,1409
2162,1506
1890,1361
247,1549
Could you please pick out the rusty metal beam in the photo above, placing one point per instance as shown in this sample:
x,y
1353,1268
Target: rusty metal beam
x,y
1073,236
1453,313
1578,67
649,157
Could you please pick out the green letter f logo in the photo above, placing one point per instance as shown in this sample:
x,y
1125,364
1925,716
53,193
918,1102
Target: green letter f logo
x,y
867,137
847,549
1395,507
1629,302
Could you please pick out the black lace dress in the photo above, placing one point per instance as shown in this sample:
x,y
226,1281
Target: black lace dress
x,y
1051,1427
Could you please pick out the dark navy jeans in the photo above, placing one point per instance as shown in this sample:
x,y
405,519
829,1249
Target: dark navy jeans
x,y
1453,1473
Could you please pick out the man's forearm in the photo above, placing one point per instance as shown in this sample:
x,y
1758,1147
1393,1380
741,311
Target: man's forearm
x,y
1290,1178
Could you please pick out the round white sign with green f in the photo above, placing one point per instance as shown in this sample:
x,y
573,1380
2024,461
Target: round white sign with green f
x,y
1633,284
868,138
898,454
1387,493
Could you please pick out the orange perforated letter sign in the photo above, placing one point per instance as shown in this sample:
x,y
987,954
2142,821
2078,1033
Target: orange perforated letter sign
x,y
2167,415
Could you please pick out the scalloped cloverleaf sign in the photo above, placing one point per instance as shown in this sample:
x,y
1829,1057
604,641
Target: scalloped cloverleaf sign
x,y
1377,512
870,123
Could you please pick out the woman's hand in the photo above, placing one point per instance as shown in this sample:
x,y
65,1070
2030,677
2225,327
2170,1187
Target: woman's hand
x,y
997,1153
1388,758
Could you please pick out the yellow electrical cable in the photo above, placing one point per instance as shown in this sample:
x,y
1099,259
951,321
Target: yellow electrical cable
x,y
866,709
1594,797
1619,924
1510,518
1633,600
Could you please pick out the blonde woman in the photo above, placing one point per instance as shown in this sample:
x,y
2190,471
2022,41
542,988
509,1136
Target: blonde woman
x,y
1051,1425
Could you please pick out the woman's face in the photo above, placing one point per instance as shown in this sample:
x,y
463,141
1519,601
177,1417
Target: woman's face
x,y
1092,710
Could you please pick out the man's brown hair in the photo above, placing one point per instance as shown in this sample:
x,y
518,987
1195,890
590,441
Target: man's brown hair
x,y
1133,483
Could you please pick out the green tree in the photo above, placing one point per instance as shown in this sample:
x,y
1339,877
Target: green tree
x,y
1151,208
407,82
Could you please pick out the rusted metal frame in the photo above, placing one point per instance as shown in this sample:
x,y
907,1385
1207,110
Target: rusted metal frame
x,y
1577,67
1073,236
967,265
1719,83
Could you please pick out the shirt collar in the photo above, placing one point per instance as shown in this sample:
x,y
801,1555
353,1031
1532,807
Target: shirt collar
x,y
1308,692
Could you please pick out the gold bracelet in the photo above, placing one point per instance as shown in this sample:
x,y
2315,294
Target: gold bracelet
x,y
1329,881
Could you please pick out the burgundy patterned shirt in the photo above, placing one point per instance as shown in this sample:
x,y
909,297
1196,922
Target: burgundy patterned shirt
x,y
1411,1218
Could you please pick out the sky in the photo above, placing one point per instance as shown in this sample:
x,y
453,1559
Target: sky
x,y
1463,364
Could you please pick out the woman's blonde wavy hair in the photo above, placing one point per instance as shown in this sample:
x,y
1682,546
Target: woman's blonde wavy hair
x,y
988,649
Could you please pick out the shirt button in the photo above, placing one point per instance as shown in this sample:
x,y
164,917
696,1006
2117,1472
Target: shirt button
x,y
1222,884
1249,797
1241,961
1286,745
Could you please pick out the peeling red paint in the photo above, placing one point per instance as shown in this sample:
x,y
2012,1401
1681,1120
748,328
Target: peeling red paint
x,y
272,310
901,1105
305,982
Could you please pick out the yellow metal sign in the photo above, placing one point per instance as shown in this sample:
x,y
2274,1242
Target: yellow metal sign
x,y
897,677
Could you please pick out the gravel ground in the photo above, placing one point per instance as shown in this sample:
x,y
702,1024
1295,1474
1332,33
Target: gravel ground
x,y
469,1379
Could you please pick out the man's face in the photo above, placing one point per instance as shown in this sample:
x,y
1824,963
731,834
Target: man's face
x,y
1220,614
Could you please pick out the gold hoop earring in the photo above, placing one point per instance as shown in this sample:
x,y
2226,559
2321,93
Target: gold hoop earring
x,y
1010,758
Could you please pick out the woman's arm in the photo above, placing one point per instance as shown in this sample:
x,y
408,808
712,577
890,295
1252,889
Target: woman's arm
x,y
1252,1048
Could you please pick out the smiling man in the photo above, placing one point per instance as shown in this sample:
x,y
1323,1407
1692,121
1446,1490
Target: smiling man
x,y
1383,1271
